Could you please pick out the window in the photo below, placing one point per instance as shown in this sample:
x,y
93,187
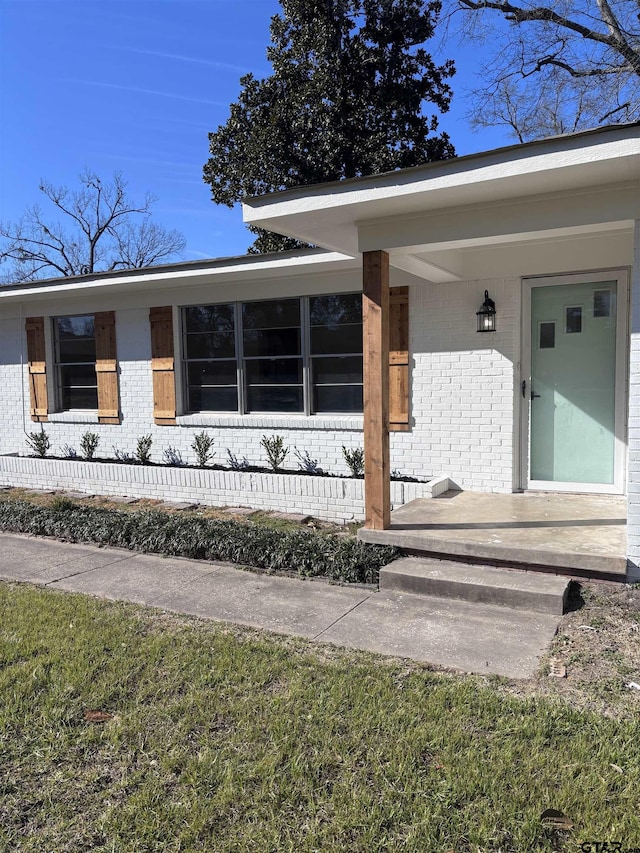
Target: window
x,y
602,303
547,335
75,362
210,352
573,320
272,349
336,352
288,355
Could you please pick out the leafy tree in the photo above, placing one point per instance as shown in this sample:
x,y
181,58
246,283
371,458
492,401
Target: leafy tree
x,y
556,66
102,230
349,95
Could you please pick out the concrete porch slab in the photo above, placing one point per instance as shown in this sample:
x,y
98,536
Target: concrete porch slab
x,y
573,534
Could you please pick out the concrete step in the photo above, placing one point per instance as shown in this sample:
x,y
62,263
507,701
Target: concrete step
x,y
526,558
532,591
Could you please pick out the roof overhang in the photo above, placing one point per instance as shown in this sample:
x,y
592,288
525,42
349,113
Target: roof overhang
x,y
423,216
262,268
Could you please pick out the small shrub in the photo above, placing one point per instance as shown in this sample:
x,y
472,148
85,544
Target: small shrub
x,y
122,455
308,464
39,442
143,449
202,444
237,464
172,456
355,460
195,537
62,504
89,444
69,452
275,450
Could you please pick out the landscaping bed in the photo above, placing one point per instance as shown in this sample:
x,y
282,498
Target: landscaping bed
x,y
337,499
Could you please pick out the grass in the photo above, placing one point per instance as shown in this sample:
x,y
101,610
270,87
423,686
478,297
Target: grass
x,y
227,740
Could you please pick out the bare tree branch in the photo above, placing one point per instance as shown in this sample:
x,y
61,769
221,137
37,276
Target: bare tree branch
x,y
107,232
589,50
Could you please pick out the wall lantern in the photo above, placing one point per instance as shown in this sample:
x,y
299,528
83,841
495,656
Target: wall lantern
x,y
487,315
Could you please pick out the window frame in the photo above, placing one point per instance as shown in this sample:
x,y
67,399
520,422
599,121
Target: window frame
x,y
58,364
242,372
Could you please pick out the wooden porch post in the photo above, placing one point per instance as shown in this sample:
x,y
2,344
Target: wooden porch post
x,y
375,330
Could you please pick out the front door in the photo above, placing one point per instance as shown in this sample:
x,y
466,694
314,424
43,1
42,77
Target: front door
x,y
574,393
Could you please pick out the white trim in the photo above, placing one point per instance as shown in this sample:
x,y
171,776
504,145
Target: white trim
x,y
621,277
74,417
273,421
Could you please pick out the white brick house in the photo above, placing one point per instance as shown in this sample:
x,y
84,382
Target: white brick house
x,y
548,229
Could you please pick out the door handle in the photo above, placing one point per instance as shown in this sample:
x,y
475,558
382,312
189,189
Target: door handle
x,y
524,390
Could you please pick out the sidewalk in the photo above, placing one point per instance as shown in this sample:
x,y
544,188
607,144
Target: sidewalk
x,y
469,637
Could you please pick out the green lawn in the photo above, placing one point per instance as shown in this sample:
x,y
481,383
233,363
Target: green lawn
x,y
225,739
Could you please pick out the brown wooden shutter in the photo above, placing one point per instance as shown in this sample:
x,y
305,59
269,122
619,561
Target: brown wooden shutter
x,y
107,368
36,356
163,366
399,359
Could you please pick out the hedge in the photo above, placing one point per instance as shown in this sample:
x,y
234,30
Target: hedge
x,y
306,553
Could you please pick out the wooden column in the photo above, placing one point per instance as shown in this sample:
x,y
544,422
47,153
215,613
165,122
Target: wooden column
x,y
375,331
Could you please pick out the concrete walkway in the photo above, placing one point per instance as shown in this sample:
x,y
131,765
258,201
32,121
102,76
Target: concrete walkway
x,y
469,637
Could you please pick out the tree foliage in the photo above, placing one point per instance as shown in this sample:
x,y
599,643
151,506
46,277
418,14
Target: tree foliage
x,y
554,67
350,94
102,229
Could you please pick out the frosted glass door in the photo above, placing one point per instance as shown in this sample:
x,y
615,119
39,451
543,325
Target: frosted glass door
x,y
573,378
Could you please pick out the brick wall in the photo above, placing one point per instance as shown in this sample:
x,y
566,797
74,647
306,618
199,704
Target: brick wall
x,y
332,499
462,397
463,386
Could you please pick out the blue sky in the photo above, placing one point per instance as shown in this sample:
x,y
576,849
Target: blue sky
x,y
135,86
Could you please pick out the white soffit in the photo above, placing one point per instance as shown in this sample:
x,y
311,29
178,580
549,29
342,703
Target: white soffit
x,y
329,215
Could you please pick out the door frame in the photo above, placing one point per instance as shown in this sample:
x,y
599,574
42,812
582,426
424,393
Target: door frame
x,y
621,277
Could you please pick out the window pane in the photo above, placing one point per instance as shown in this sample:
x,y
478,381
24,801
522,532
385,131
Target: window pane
x,y
212,373
214,345
338,339
271,342
78,349
337,398
573,321
76,339
213,399
602,303
547,335
274,314
75,327
272,371
328,371
264,398
78,375
79,398
335,309
210,318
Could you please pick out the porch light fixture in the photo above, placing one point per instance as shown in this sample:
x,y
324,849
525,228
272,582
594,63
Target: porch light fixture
x,y
487,315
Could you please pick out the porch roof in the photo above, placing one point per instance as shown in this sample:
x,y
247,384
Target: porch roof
x,y
578,184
